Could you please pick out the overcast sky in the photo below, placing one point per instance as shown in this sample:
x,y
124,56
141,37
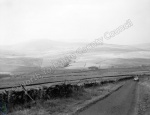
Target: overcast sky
x,y
73,20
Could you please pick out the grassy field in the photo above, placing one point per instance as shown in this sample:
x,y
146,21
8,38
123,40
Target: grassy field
x,y
62,75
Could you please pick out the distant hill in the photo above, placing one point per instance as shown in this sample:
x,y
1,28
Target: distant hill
x,y
145,46
29,56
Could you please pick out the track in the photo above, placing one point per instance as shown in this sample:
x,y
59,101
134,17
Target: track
x,y
121,102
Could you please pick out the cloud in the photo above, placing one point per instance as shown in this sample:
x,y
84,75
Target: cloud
x,y
72,20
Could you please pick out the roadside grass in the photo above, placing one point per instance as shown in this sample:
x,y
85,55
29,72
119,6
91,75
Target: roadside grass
x,y
62,106
53,106
144,98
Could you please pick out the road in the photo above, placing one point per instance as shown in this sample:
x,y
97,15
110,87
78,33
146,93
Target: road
x,y
121,102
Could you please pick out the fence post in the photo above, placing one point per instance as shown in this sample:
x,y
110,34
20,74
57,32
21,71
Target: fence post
x,y
27,93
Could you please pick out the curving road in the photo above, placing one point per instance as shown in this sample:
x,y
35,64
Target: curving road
x,y
121,102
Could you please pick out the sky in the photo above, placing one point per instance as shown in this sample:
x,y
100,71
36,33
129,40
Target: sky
x,y
73,20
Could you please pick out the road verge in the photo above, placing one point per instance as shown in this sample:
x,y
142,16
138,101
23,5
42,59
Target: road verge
x,y
88,103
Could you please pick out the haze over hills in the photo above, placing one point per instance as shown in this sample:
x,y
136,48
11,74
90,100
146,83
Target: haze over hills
x,y
31,55
38,47
145,46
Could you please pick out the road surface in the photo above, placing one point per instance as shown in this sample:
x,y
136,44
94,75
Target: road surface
x,y
121,102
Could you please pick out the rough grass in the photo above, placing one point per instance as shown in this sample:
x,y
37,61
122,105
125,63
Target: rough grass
x,y
53,106
62,106
144,98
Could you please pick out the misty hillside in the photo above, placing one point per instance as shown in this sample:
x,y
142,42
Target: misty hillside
x,y
145,46
31,55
